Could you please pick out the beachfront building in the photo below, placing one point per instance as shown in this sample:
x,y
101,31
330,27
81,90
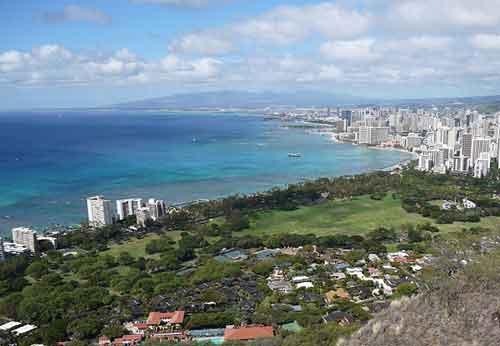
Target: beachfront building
x,y
100,211
127,207
157,208
25,237
413,140
2,250
372,135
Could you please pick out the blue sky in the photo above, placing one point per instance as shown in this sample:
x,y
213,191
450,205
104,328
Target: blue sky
x,y
98,52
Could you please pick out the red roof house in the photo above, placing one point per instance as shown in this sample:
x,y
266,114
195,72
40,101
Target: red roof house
x,y
248,333
157,318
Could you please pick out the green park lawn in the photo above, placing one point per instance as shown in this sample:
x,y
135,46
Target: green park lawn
x,y
350,216
137,247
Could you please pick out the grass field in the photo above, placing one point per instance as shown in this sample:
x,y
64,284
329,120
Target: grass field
x,y
352,216
356,216
137,247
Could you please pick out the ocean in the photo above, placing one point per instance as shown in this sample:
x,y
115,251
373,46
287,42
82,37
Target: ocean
x,y
49,162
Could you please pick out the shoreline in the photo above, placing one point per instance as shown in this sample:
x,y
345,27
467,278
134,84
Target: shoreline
x,y
332,136
63,222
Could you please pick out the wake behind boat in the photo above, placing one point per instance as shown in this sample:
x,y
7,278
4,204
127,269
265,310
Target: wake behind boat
x,y
294,154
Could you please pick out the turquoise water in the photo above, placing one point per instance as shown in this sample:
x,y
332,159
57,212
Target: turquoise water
x,y
214,340
52,161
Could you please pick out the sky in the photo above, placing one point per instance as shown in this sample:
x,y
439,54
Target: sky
x,y
62,53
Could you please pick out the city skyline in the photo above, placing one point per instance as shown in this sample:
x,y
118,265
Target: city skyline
x,y
94,53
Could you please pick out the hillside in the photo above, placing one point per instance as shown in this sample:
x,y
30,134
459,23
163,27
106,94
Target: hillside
x,y
460,311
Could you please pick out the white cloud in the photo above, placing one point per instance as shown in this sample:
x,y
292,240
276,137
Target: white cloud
x,y
53,65
289,24
349,50
75,13
201,43
436,16
178,3
486,41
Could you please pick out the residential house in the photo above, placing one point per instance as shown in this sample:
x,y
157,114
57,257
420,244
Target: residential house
x,y
340,317
339,293
165,321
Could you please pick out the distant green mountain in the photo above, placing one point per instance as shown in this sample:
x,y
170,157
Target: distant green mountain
x,y
241,99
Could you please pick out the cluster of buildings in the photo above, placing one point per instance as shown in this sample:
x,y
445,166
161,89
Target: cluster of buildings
x,y
25,241
372,278
16,328
446,140
169,326
101,211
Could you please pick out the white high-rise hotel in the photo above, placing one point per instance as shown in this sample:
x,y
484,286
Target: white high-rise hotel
x,y
100,211
25,236
2,250
127,207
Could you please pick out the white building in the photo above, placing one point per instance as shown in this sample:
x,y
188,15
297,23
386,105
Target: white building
x,y
373,135
100,211
157,208
413,140
2,250
479,145
26,237
482,165
14,249
467,144
127,207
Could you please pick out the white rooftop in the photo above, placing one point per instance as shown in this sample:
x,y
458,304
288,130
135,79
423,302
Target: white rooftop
x,y
24,329
9,325
305,285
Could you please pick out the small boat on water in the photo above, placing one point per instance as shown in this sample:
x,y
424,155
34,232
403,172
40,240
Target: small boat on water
x,y
294,154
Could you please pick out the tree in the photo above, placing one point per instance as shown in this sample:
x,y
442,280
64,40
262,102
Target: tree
x,y
237,221
383,234
405,289
85,328
114,331
263,268
184,254
124,258
37,269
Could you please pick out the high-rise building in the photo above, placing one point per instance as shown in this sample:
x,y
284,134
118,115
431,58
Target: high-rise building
x,y
2,250
479,145
467,144
127,207
413,140
25,236
482,165
100,211
347,116
373,135
157,208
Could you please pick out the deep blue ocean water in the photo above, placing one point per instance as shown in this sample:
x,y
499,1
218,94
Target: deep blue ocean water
x,y
49,162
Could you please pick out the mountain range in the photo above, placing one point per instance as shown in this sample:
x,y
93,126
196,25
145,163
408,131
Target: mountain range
x,y
252,100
